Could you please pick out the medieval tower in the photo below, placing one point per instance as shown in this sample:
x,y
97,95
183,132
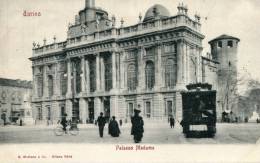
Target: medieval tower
x,y
224,50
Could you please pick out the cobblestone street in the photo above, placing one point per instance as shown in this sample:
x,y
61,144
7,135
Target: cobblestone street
x,y
155,133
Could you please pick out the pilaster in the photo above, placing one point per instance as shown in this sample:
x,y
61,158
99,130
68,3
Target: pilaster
x,y
83,110
123,69
114,106
102,74
97,106
114,81
98,72
69,91
178,105
83,75
180,65
69,109
57,79
158,72
87,76
45,82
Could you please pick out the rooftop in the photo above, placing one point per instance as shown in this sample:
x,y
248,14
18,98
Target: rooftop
x,y
15,83
224,36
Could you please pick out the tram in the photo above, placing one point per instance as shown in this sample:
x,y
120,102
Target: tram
x,y
199,111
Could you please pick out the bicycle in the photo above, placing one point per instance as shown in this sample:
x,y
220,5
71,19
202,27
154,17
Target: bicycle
x,y
72,129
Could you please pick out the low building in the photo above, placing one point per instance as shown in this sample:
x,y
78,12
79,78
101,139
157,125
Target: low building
x,y
15,101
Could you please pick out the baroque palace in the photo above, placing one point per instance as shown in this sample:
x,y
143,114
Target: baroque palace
x,y
104,68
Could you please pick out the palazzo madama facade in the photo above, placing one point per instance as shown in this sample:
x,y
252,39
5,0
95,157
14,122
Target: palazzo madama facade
x,y
104,68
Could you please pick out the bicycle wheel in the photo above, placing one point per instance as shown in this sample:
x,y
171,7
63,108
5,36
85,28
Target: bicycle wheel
x,y
74,131
58,131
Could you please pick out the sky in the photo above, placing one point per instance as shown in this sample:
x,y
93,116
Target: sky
x,y
239,18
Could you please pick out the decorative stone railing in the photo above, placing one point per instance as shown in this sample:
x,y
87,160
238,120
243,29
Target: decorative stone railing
x,y
122,32
54,47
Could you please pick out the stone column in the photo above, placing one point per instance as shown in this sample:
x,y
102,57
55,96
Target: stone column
x,y
141,69
74,73
98,72
35,92
114,106
83,110
87,77
83,75
102,74
187,63
69,93
178,105
45,82
180,65
122,70
57,90
69,108
158,72
114,81
199,64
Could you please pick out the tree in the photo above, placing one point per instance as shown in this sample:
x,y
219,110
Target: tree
x,y
229,95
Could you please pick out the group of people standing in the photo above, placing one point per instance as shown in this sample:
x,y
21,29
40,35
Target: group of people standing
x,y
137,129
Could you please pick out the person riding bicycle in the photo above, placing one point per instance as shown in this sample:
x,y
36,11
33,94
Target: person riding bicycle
x,y
64,122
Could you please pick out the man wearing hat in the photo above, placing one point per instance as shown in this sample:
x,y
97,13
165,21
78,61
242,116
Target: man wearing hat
x,y
64,122
101,124
137,126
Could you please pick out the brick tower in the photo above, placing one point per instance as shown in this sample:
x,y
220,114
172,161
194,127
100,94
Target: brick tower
x,y
224,50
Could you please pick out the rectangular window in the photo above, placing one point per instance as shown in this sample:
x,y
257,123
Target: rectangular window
x,y
40,85
169,108
130,110
48,113
148,109
230,44
39,116
220,44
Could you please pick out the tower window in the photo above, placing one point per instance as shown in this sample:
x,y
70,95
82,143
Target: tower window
x,y
230,44
220,44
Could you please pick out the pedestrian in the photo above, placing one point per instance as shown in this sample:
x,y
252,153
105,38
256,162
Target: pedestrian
x,y
101,121
137,126
120,122
64,122
172,121
113,128
21,122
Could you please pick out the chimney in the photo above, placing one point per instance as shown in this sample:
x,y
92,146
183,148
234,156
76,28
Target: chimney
x,y
90,4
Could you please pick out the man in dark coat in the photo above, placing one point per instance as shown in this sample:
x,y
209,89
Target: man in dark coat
x,y
101,124
137,126
113,128
172,122
64,122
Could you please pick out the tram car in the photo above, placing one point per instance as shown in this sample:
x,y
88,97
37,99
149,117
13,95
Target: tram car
x,y
199,111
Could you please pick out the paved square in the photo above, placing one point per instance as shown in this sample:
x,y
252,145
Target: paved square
x,y
155,133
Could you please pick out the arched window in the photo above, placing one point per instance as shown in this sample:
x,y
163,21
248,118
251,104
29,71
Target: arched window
x,y
50,85
170,73
149,74
131,77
